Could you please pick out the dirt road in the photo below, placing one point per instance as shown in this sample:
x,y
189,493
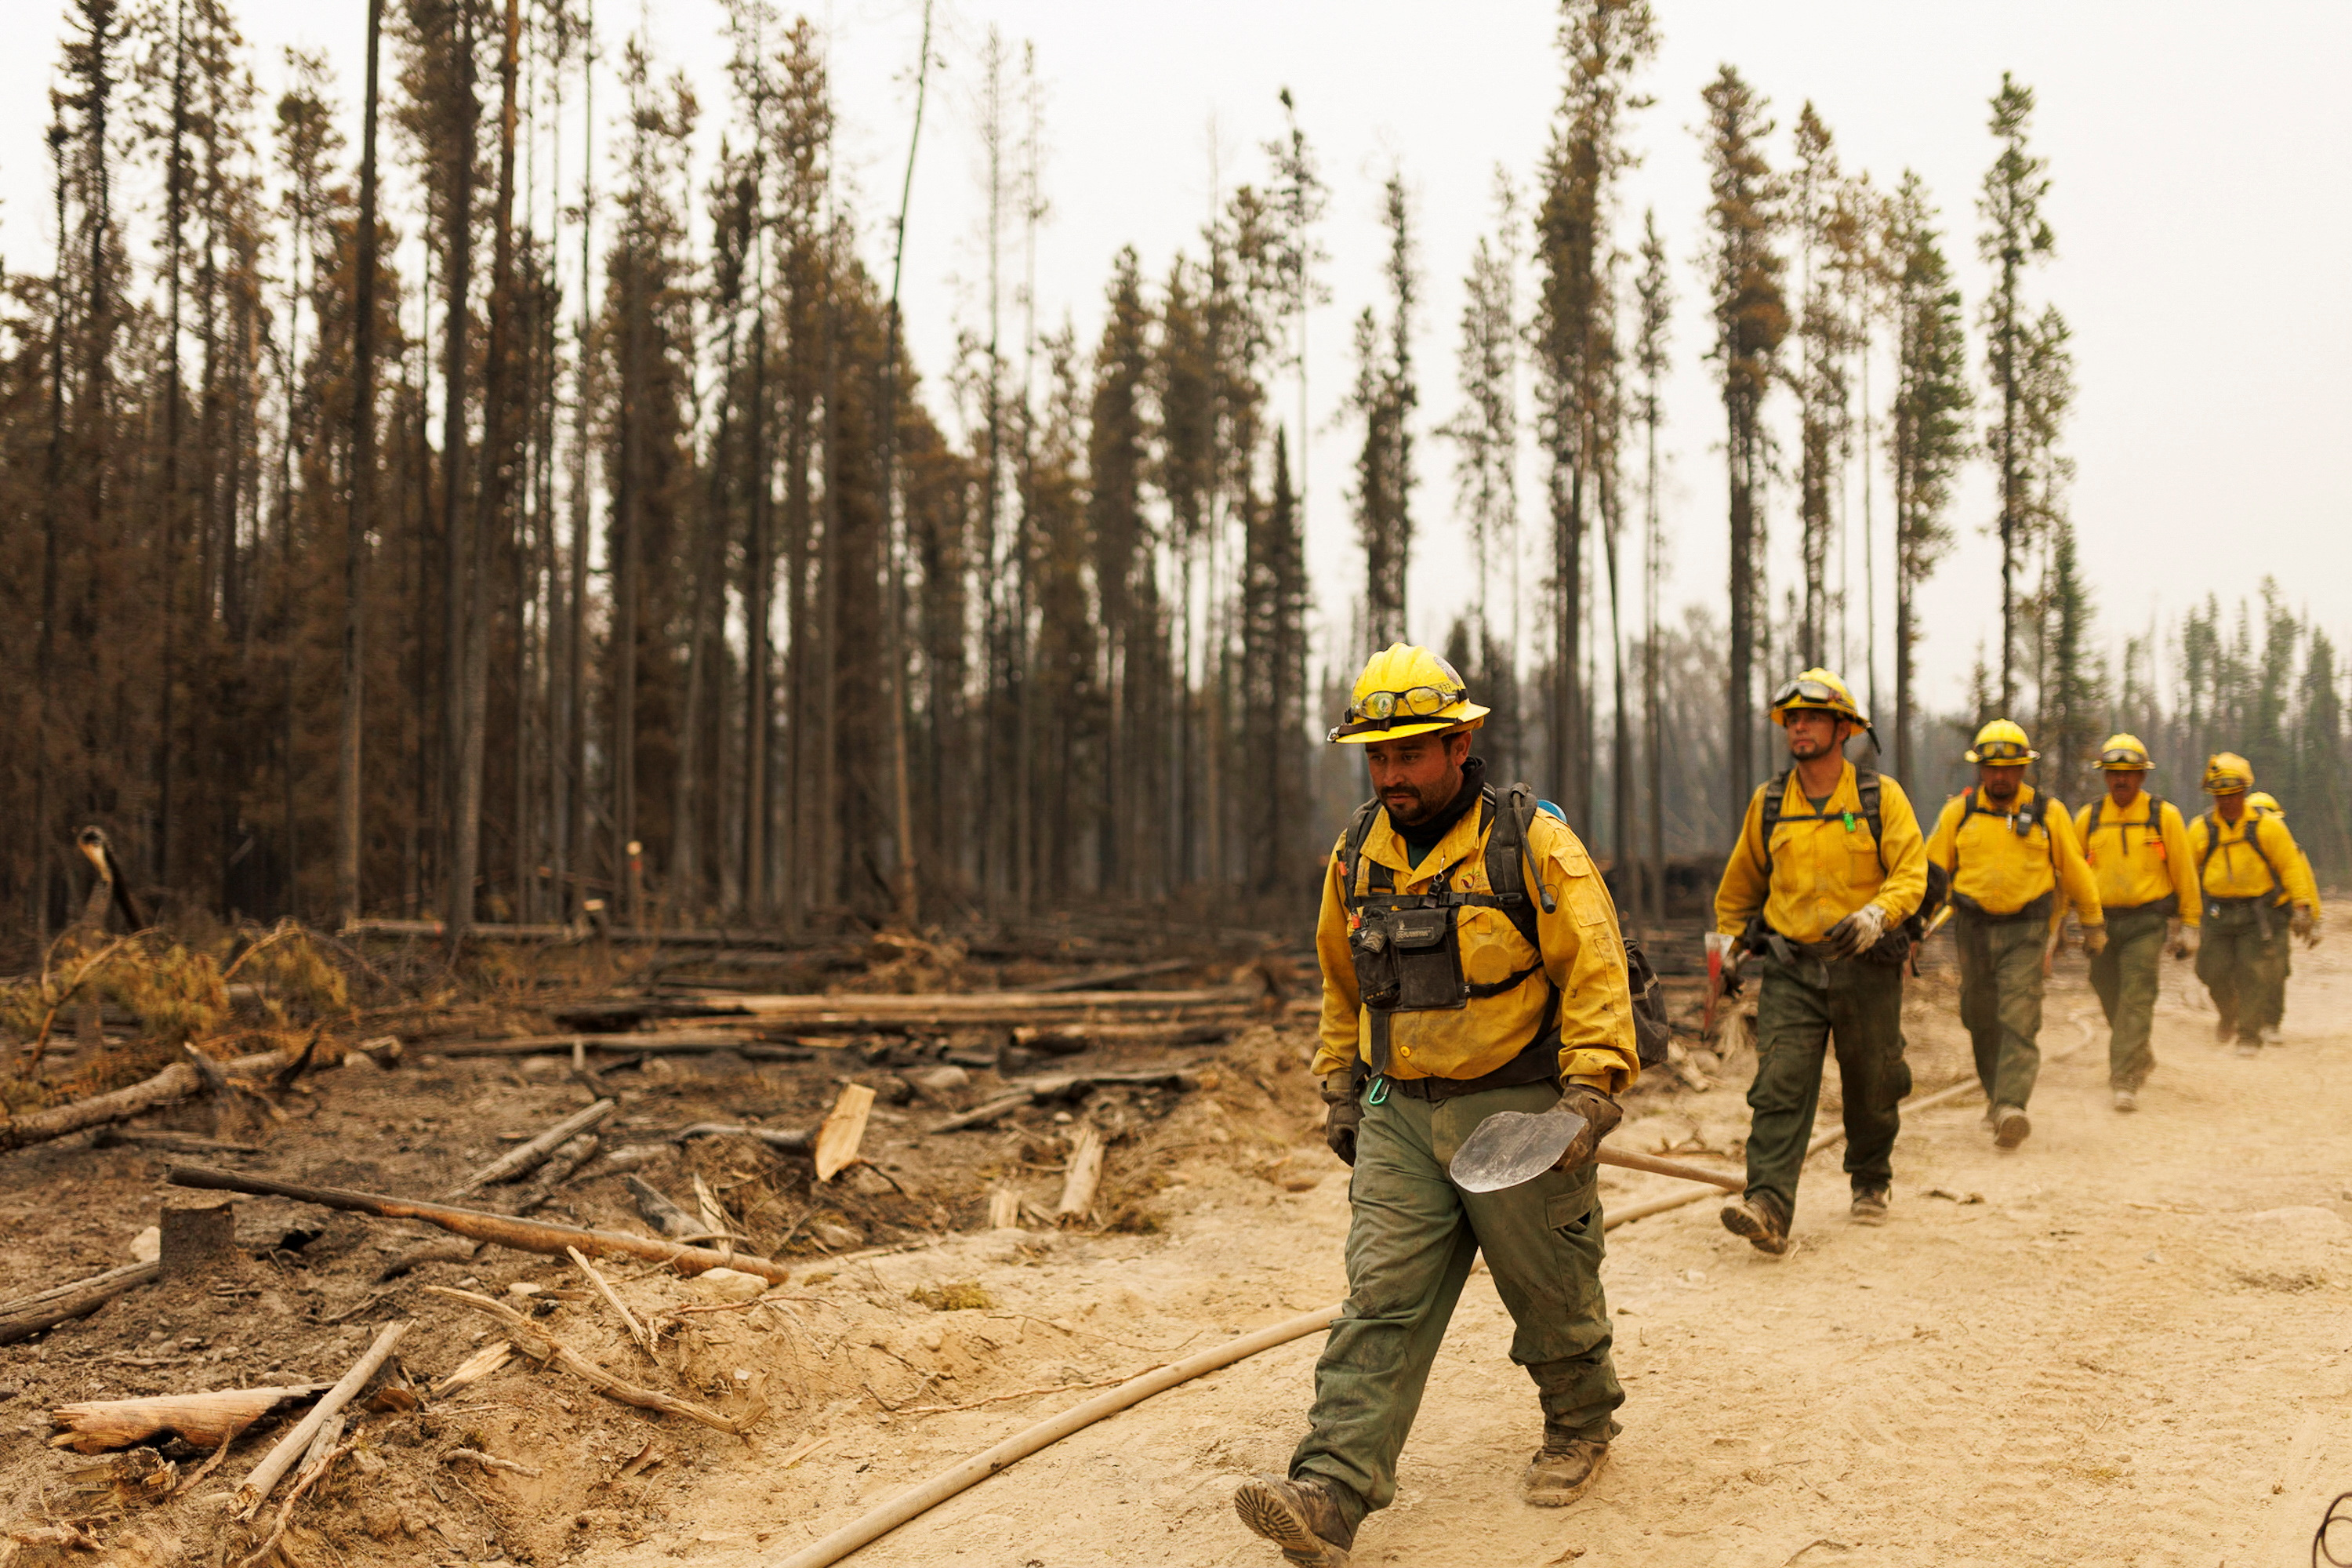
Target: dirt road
x,y
2127,1342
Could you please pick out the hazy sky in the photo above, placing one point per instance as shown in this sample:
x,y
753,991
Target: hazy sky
x,y
2202,204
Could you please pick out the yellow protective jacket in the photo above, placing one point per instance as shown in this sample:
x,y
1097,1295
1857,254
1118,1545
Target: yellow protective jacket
x,y
1823,867
2235,870
2134,866
1582,954
1999,873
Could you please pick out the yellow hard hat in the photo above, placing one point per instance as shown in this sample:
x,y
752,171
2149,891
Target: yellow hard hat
x,y
2226,773
2003,744
2263,800
1821,689
1406,689
2123,754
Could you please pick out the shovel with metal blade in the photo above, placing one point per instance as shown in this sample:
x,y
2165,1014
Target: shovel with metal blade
x,y
1514,1146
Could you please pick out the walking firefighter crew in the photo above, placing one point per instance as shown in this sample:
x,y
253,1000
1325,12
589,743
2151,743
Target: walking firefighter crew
x,y
1472,965
2014,864
2137,846
1829,868
2257,890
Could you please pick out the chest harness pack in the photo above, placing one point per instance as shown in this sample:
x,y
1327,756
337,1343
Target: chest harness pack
x,y
1407,948
1893,947
2022,822
2235,912
2170,903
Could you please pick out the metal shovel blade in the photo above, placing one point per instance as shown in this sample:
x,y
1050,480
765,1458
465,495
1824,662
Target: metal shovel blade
x,y
1514,1146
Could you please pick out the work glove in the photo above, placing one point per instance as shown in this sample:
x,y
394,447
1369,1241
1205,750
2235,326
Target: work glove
x,y
1601,1115
2304,925
1343,1113
2094,939
2184,942
1858,932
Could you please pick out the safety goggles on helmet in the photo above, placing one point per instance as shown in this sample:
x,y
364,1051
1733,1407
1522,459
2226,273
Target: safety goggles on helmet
x,y
1419,702
1819,692
2122,757
2000,753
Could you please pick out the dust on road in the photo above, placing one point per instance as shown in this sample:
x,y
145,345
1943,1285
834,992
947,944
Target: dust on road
x,y
2127,1342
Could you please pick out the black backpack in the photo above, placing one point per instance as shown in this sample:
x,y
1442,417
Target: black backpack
x,y
1896,944
1504,817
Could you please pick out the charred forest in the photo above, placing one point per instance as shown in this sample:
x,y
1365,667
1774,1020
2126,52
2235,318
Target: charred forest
x,y
509,514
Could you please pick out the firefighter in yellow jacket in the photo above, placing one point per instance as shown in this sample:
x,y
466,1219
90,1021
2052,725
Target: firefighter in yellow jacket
x,y
2138,850
2262,803
2257,891
1828,866
1472,963
2014,864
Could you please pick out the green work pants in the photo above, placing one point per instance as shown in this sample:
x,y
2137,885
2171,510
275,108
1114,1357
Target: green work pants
x,y
2000,1001
1411,1237
2125,975
1801,1008
2243,965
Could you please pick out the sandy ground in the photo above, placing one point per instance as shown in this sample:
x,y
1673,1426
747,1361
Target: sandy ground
x,y
2127,1342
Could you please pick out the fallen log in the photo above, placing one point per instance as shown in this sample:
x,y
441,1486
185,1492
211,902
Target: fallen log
x,y
539,1345
878,1522
560,1167
1109,979
502,1230
783,1140
178,1082
528,1157
1068,1039
1061,1086
29,1315
961,1006
171,1142
206,1420
660,1210
683,1042
263,1479
578,934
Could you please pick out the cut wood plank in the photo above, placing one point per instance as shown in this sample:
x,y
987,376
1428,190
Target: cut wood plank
x,y
842,1131
528,1157
1084,1176
504,1230
206,1420
21,1320
540,1345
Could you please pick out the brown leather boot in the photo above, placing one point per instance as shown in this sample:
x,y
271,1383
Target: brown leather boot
x,y
1759,1220
1299,1516
1562,1471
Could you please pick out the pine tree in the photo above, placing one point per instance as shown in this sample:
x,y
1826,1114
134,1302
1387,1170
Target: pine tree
x,y
1654,291
1384,399
2074,699
1602,44
1822,222
1752,319
1926,440
2014,236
